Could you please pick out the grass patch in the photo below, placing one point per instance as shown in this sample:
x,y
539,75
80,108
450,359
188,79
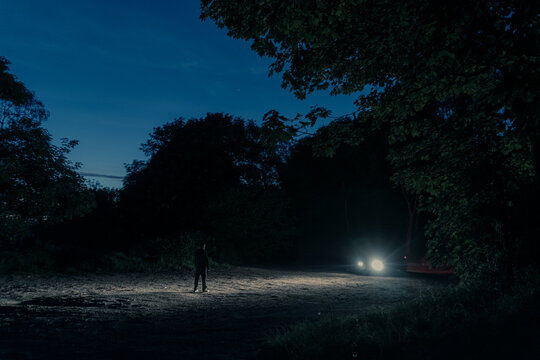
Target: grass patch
x,y
119,262
161,255
461,322
158,255
31,260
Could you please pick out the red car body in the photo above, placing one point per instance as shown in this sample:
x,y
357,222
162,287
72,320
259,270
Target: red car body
x,y
423,266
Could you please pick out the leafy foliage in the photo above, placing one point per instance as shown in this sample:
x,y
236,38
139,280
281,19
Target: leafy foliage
x,y
457,322
11,89
208,175
37,180
341,196
455,84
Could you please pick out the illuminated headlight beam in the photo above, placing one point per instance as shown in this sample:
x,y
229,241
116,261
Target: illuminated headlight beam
x,y
377,265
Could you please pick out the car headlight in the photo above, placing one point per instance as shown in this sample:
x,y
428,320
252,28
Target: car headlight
x,y
377,265
360,264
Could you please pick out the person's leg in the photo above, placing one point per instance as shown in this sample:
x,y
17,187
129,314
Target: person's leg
x,y
197,274
203,276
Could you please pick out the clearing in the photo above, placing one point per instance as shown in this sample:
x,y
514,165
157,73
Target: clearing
x,y
57,316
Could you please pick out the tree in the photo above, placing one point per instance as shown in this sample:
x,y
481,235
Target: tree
x,y
455,84
11,89
38,182
344,203
199,172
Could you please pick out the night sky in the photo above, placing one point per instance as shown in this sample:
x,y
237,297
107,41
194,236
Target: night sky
x,y
111,71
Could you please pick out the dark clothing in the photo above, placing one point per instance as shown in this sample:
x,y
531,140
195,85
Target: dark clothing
x,y
201,259
201,265
202,274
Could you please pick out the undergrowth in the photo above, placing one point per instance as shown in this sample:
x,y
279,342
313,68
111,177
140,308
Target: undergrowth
x,y
160,255
472,322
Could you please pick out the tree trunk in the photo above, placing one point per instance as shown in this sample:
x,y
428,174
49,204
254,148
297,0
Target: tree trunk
x,y
412,210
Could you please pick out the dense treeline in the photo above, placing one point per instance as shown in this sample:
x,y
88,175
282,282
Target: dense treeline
x,y
212,179
343,203
211,176
39,185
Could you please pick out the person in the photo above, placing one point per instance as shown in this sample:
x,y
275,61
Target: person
x,y
201,266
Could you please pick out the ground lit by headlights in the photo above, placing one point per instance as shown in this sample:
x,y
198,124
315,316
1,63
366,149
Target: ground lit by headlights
x,y
133,313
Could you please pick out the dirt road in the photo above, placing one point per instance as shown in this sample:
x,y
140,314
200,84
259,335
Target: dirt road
x,y
156,316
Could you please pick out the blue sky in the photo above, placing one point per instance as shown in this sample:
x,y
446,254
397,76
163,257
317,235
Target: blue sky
x,y
111,71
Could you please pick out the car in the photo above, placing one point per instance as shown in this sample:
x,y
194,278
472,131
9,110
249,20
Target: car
x,y
374,259
422,266
370,262
379,266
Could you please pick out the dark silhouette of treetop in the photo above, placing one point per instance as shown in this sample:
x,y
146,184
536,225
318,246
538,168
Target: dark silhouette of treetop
x,y
199,173
38,182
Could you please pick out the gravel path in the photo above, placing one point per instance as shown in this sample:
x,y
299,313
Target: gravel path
x,y
141,316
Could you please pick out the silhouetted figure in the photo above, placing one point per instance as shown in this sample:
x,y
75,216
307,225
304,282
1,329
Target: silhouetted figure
x,y
201,265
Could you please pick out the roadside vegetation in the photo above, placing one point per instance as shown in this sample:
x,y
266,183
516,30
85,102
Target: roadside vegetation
x,y
213,179
162,255
465,322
